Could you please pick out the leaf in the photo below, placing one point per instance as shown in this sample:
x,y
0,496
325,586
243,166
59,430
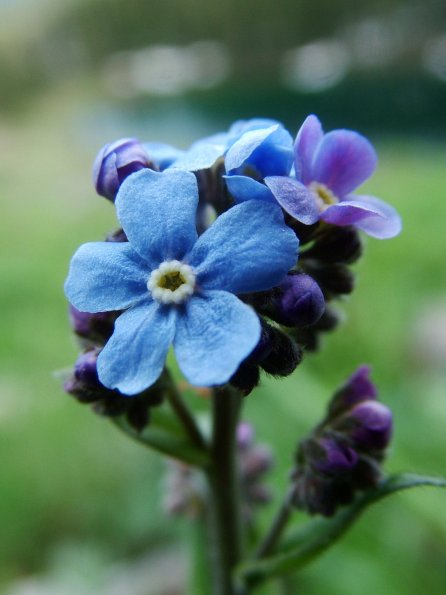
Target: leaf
x,y
311,540
175,445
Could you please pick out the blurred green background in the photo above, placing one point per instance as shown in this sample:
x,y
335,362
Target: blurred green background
x,y
81,506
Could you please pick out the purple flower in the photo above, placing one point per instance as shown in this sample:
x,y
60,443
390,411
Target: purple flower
x,y
331,166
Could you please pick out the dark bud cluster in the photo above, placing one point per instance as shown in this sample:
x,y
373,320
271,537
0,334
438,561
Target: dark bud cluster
x,y
297,312
86,387
326,253
342,456
276,353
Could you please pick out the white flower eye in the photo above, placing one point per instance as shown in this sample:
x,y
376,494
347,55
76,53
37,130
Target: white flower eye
x,y
172,282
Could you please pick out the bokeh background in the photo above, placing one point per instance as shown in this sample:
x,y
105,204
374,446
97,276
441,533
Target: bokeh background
x,y
81,506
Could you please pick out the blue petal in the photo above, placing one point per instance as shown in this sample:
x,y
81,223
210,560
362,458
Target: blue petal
x,y
161,154
134,356
268,150
239,127
157,211
201,155
214,335
248,248
243,188
106,276
294,198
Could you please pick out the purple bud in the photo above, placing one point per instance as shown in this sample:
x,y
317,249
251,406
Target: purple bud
x,y
245,435
115,162
373,427
300,301
358,388
96,327
256,462
337,458
85,368
265,344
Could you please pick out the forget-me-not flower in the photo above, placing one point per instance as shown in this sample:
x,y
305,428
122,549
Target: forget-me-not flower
x,y
203,153
327,168
258,166
175,287
331,166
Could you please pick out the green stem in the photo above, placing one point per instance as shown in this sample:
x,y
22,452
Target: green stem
x,y
224,501
275,531
183,413
315,537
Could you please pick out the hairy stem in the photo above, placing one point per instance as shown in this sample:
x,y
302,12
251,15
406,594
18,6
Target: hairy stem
x,y
224,501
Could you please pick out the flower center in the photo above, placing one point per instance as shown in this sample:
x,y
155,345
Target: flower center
x,y
324,196
172,282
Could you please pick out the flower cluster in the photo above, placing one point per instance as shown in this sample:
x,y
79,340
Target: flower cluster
x,y
343,454
207,260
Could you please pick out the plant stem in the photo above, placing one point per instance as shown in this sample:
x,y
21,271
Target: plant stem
x,y
224,501
275,531
183,413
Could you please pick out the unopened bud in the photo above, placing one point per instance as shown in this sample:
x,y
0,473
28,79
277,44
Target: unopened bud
x,y
115,162
299,301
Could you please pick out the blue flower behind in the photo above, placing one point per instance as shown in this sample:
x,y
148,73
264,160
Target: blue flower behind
x,y
175,287
327,167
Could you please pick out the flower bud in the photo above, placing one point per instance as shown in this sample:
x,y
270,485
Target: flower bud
x,y
336,245
371,426
335,457
284,357
299,301
115,162
246,378
334,279
85,386
97,327
85,368
244,435
358,388
343,453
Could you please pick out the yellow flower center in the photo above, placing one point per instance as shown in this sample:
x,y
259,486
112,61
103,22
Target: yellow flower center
x,y
172,282
324,196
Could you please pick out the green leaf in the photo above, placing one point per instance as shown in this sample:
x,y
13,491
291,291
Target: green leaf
x,y
312,539
166,439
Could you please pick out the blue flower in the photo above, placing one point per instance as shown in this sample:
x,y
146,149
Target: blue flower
x,y
258,166
175,287
203,153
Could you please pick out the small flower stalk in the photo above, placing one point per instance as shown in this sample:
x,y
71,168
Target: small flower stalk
x,y
232,254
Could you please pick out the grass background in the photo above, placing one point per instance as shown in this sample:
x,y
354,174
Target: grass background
x,y
76,498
